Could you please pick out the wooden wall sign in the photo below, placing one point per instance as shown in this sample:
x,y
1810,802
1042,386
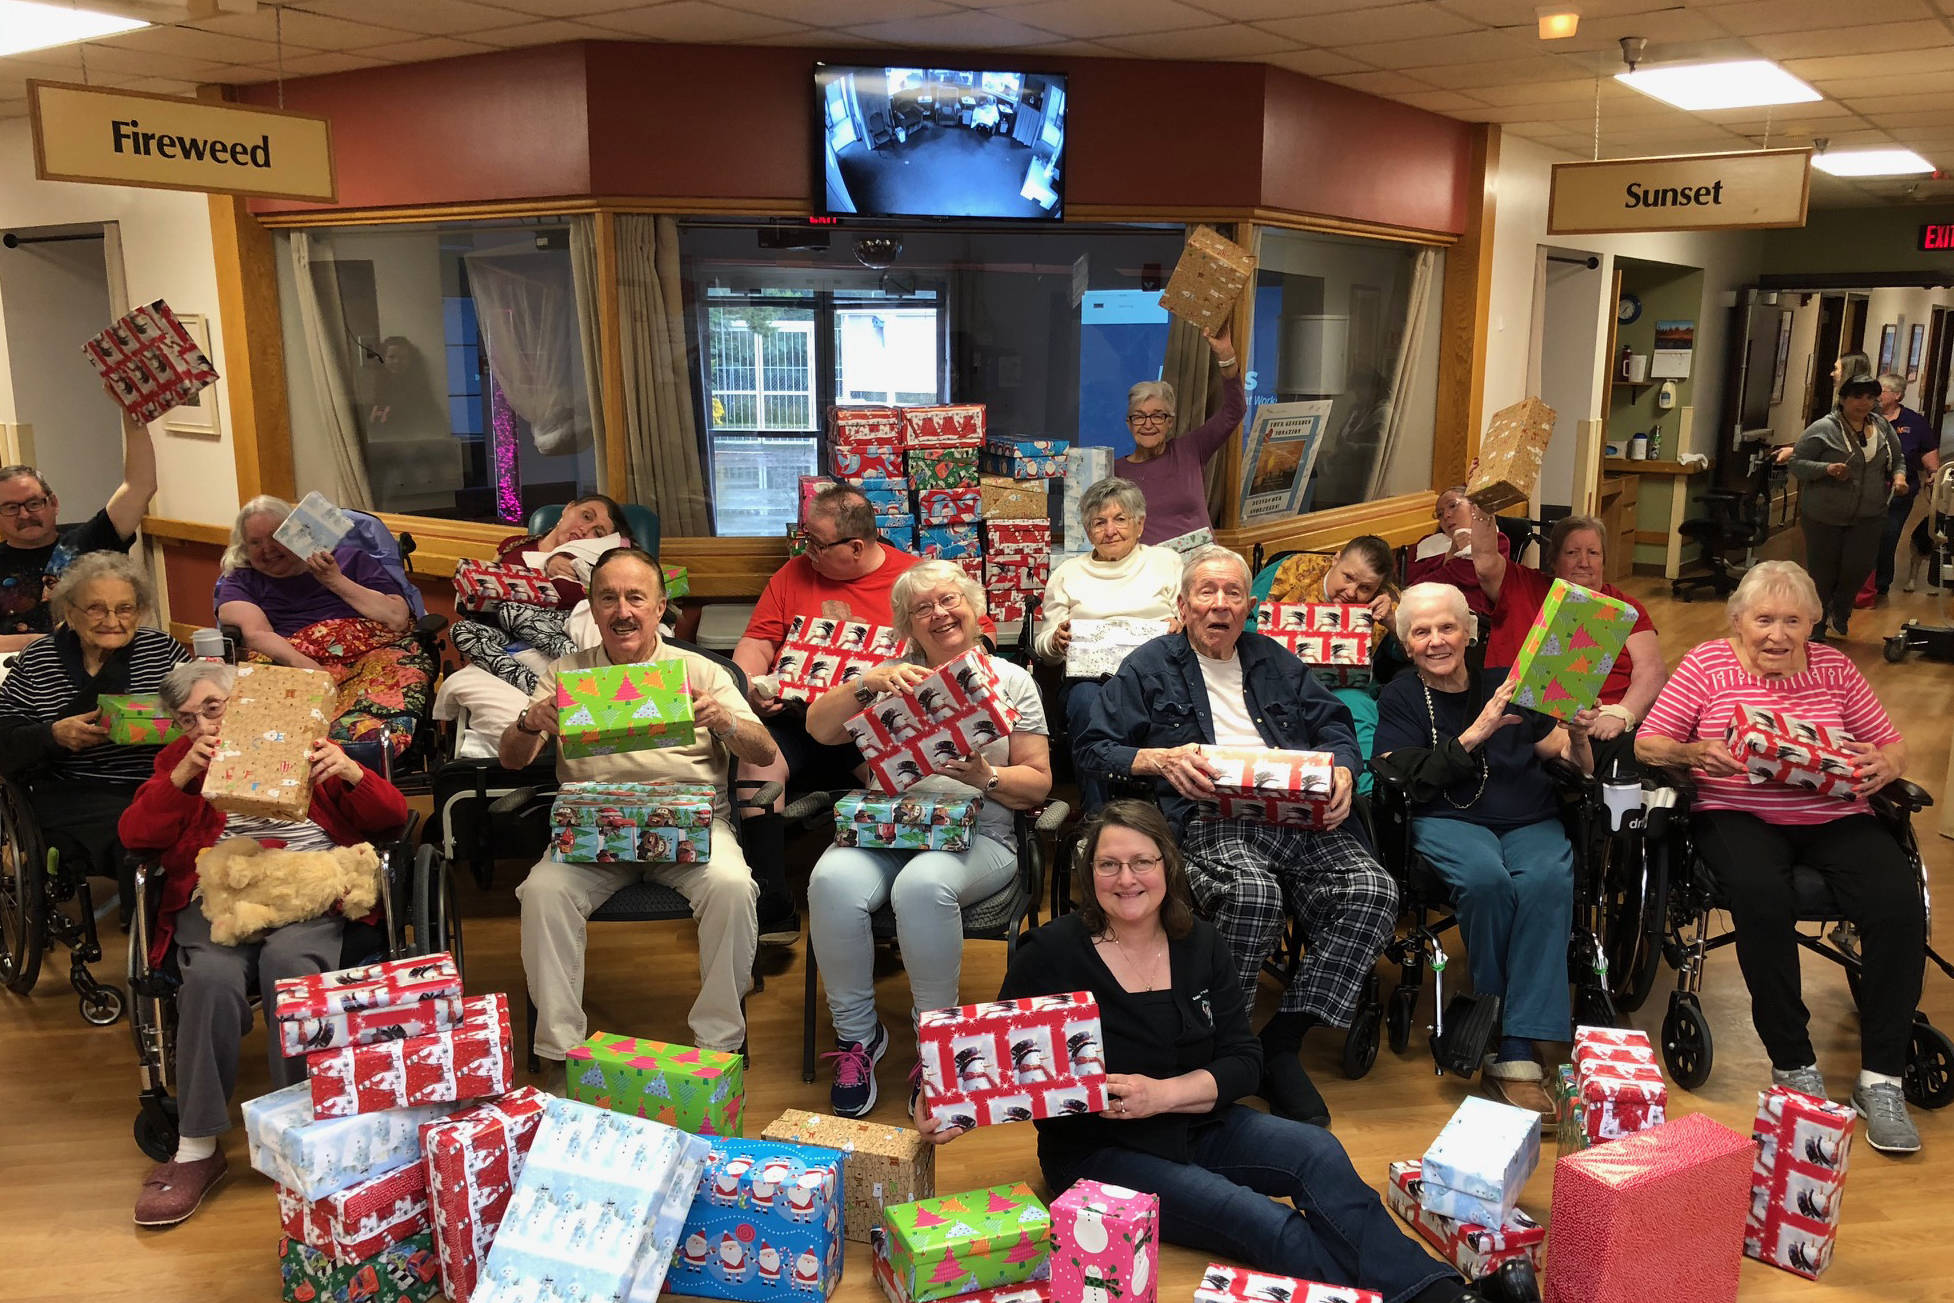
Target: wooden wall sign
x,y
1687,192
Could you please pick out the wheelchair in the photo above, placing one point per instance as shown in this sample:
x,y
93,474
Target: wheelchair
x,y
418,916
1688,1049
42,905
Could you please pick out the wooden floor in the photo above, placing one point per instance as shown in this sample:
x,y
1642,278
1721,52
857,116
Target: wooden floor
x,y
67,1091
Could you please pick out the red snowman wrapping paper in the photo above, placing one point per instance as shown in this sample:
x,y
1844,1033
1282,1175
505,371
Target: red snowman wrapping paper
x,y
361,1221
906,736
1611,1045
1007,607
1289,787
1474,1249
298,1036
1620,1088
822,653
149,363
472,1159
1776,747
466,1061
480,585
955,425
1333,638
871,427
1221,1284
1655,1216
1798,1180
370,986
1017,574
1013,1060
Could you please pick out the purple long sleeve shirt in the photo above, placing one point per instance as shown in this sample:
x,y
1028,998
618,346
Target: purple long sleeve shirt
x,y
1177,495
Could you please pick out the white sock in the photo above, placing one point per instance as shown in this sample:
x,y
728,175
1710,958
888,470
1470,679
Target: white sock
x,y
1875,1079
1780,1074
194,1149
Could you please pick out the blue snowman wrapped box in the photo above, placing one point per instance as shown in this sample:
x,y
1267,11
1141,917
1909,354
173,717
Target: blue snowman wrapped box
x,y
316,1159
767,1213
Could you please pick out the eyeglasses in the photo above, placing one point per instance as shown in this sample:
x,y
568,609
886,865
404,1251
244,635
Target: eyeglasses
x,y
32,506
949,604
211,710
1149,418
99,611
1142,866
815,545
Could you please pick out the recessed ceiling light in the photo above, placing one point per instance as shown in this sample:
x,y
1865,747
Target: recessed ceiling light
x,y
1735,84
1872,162
28,25
1557,23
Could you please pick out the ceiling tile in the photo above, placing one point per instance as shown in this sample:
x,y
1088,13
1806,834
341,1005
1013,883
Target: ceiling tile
x,y
1761,17
1232,41
1788,115
1874,105
1465,47
1884,70
1245,11
1380,83
1925,83
1438,101
188,43
1671,33
299,28
1316,63
1540,92
162,86
1373,23
1521,13
1920,118
835,13
1074,49
563,8
550,32
968,27
421,49
326,61
1093,19
427,17
694,20
1875,38
1494,72
1523,112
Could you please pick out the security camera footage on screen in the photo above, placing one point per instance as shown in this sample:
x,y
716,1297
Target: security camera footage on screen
x,y
935,142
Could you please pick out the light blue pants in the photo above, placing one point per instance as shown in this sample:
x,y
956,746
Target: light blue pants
x,y
1514,891
928,890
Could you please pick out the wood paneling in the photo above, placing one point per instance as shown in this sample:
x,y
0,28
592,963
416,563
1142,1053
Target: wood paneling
x,y
1467,312
617,462
1398,521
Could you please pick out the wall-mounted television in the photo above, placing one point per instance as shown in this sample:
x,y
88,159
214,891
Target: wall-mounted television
x,y
940,142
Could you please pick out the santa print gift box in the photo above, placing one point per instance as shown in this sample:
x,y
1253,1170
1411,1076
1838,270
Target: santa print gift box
x,y
372,1002
948,716
1287,787
406,1272
608,709
933,821
1619,1087
1776,747
1474,1169
1038,1290
480,585
958,1243
357,1223
880,1164
136,718
1656,1215
655,823
701,1091
1335,639
316,1158
1012,1060
949,506
1798,1181
1026,459
954,425
1106,1245
822,653
1099,647
263,764
1474,1249
467,1061
471,1161
1568,652
767,1218
1221,1284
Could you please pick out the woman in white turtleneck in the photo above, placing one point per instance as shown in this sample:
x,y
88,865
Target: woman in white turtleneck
x,y
1122,577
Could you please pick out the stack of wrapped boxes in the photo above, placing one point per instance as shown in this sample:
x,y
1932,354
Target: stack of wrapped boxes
x,y
1084,467
865,448
1475,1168
1616,1087
1476,1250
1017,562
942,443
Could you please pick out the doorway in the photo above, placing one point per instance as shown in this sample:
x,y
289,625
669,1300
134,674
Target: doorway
x,y
1568,341
1940,360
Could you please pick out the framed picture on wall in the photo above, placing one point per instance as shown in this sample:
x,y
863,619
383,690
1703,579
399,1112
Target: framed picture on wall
x,y
197,419
1916,344
1784,355
1888,339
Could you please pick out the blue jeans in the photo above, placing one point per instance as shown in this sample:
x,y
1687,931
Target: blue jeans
x,y
1080,696
1225,1201
1515,896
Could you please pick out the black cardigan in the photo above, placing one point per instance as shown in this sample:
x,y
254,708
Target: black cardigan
x,y
1198,1023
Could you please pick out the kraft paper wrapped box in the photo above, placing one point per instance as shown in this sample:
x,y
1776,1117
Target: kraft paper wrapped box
x,y
1286,787
315,525
1620,1088
949,506
936,821
701,1091
1221,1284
389,984
1210,276
1105,1244
1797,1183
358,1222
316,1158
652,823
483,585
1568,652
767,1219
1656,1215
136,718
953,425
1778,747
469,1060
1004,498
956,1243
149,362
1099,647
263,766
1036,1290
907,735
609,709
1510,453
881,1165
471,1161
873,427
823,653
943,468
1012,1060
1473,1171
407,1272
1335,639
1474,1249
1026,459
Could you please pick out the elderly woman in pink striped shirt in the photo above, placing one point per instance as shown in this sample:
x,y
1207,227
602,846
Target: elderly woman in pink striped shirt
x,y
1752,834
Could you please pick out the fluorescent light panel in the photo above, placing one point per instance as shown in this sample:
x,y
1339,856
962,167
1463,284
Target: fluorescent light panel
x,y
1872,162
29,25
1735,84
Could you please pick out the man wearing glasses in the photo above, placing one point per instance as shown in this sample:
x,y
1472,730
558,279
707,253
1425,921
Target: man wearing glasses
x,y
37,548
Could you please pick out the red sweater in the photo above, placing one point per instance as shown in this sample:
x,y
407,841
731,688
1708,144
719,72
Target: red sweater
x,y
180,823
509,553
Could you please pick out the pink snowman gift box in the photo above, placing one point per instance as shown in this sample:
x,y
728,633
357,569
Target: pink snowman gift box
x,y
1013,1060
1221,1284
1106,1245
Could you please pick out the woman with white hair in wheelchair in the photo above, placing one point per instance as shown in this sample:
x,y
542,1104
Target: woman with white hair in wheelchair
x,y
171,818
937,607
1750,834
1486,818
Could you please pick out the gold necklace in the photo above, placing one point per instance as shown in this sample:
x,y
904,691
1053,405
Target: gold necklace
x,y
1144,974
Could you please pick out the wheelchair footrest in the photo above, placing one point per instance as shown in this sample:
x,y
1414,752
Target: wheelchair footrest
x,y
1470,1025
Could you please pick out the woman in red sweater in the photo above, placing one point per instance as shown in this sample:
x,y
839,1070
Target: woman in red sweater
x,y
170,816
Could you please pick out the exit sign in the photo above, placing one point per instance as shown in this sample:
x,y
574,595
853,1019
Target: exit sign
x,y
1937,235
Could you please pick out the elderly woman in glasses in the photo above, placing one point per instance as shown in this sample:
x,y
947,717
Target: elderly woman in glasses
x,y
1168,467
936,606
52,738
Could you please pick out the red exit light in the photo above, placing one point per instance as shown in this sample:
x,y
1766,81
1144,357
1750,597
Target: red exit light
x,y
1937,235
836,221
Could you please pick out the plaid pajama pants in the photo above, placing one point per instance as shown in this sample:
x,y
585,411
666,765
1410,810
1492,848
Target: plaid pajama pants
x,y
1246,875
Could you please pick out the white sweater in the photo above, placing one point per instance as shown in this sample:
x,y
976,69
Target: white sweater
x,y
1144,584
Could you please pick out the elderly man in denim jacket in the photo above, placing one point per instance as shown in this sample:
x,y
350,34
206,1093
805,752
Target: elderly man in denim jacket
x,y
1213,684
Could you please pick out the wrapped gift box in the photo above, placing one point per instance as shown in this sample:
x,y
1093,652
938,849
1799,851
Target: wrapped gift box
x,y
811,487
1335,639
1509,455
1569,650
391,984
304,1035
956,1243
1036,1290
588,1219
948,542
1105,1244
888,498
934,821
767,1216
1026,459
608,709
470,1163
1570,1118
136,719
1611,1045
1221,1284
1012,1060
881,1164
1210,276
481,585
1034,536
1619,1099
1007,607
1004,498
263,763
1084,467
358,1222
407,1272
1288,787
1185,543
1010,575
316,1158
823,653
1099,647
1473,1171
315,525
701,1091
467,1061
943,468
1656,1215
907,735
1474,1249
875,427
898,531
949,506
1776,747
864,460
796,540
678,581
955,425
655,823
149,363
1798,1181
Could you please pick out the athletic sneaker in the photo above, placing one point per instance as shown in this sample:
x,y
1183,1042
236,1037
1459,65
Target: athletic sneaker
x,y
853,1094
1888,1128
1806,1080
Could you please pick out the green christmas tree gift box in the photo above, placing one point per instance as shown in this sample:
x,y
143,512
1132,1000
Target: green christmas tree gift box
x,y
136,718
1570,649
957,1243
609,709
407,1272
701,1091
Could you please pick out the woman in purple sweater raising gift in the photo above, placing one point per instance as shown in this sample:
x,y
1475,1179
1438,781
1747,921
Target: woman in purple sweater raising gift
x,y
1168,468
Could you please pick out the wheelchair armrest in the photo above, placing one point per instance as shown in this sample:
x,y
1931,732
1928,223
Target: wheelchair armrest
x,y
1050,817
1567,775
431,625
512,802
1672,776
1903,797
761,798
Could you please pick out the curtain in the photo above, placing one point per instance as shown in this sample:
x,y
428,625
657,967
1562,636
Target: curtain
x,y
584,276
1410,345
526,307
1189,367
322,317
660,431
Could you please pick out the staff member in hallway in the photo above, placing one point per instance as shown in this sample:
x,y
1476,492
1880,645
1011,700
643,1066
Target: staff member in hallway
x,y
1851,464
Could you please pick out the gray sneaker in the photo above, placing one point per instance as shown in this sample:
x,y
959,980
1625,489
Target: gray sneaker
x,y
1888,1128
1806,1081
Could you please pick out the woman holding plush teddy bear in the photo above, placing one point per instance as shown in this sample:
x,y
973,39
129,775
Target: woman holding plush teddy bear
x,y
350,804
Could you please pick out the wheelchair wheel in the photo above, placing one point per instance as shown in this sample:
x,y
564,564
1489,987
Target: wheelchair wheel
x,y
1635,907
1360,1042
23,896
1929,1078
436,921
1687,1049
102,1006
1397,1019
156,1133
